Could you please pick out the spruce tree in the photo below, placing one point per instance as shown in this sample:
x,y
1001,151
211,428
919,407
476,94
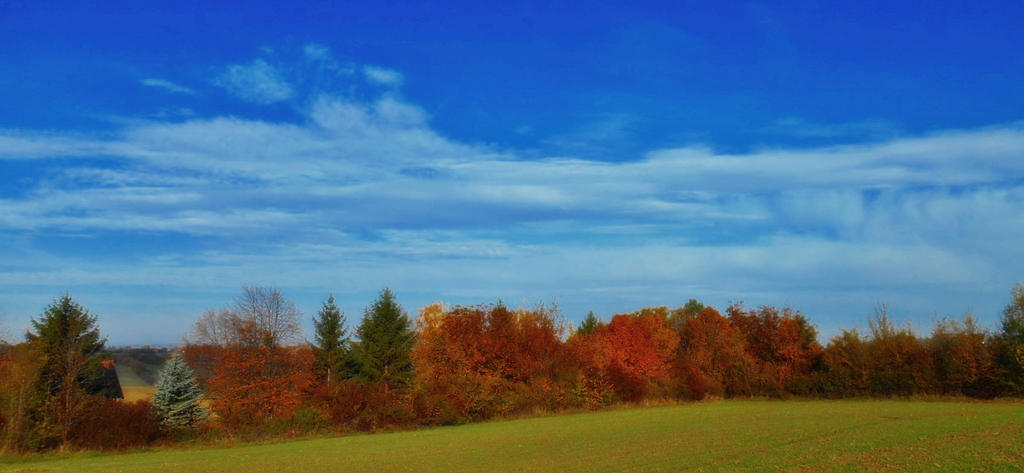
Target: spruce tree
x,y
588,325
178,394
1009,343
331,345
386,338
67,335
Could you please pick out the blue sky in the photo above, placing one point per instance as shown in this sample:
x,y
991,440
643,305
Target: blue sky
x,y
156,157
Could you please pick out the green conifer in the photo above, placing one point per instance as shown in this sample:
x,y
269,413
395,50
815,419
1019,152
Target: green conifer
x,y
1009,343
588,325
331,345
178,394
67,335
386,337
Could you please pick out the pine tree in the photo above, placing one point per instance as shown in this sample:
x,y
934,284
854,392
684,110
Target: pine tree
x,y
386,338
332,344
178,394
1009,343
678,317
67,336
588,325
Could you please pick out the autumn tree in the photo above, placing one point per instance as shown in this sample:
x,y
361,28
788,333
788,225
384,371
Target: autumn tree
x,y
331,344
713,360
631,351
962,358
249,372
272,319
386,339
21,401
252,384
261,315
783,343
847,360
218,328
481,361
900,364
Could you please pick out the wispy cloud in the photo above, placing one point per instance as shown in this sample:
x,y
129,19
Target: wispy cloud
x,y
363,191
875,129
257,82
383,76
167,86
316,52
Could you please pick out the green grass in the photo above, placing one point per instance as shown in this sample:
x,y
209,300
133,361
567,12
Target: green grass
x,y
716,436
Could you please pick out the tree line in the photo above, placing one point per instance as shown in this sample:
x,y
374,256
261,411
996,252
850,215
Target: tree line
x,y
246,371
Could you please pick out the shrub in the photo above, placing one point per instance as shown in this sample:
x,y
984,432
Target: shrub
x,y
110,424
368,406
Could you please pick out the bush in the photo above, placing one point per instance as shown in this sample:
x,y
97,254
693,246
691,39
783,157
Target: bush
x,y
368,406
109,424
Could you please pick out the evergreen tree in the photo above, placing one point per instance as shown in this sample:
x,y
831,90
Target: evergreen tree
x,y
67,335
678,317
331,345
588,325
386,339
177,395
1010,343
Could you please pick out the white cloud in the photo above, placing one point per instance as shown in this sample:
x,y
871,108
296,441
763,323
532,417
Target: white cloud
x,y
167,86
365,193
383,76
871,128
257,82
316,52
17,144
355,150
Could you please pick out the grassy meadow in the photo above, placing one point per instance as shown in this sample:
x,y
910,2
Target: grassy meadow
x,y
849,435
138,393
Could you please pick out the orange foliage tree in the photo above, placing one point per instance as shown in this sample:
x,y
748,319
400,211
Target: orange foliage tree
x,y
712,359
632,352
900,363
964,362
481,361
847,360
250,384
783,344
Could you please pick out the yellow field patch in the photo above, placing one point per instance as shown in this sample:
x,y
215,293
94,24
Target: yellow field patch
x,y
135,393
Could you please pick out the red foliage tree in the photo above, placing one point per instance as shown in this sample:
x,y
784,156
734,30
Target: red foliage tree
x,y
482,361
713,360
250,384
783,344
631,352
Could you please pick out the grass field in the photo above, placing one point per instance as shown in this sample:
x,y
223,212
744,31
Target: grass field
x,y
715,436
135,393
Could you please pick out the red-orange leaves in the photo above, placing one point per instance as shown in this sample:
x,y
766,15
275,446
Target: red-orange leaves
x,y
253,384
631,352
782,343
481,361
712,360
